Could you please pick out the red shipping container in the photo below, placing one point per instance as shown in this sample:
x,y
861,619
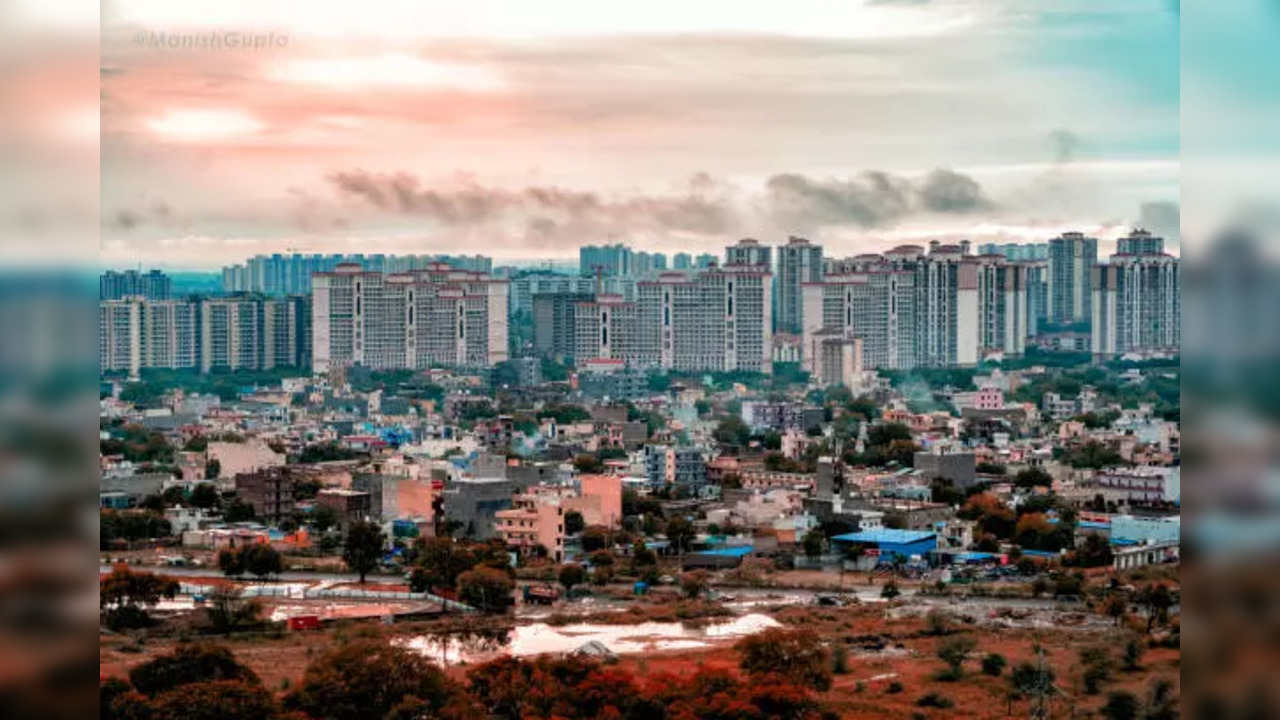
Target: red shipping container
x,y
304,622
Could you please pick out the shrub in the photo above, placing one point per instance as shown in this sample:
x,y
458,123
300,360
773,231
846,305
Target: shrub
x,y
890,590
935,700
994,664
894,688
840,660
954,652
936,623
189,664
795,654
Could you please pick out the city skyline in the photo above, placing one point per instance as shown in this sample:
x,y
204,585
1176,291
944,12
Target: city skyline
x,y
526,135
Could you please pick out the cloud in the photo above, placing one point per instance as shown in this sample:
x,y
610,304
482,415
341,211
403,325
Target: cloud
x,y
156,213
947,191
873,199
704,208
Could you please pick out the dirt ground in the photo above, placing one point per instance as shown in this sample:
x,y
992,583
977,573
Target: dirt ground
x,y
883,647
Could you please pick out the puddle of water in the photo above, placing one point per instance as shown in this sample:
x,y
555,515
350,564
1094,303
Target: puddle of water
x,y
540,638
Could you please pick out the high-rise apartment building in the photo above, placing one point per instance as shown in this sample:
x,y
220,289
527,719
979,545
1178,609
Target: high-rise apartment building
x,y
608,328
607,260
749,251
682,261
236,333
799,262
1004,317
1140,242
871,300
1071,260
118,285
555,324
716,320
1137,304
1037,296
525,288
912,308
1018,252
414,320
291,274
137,333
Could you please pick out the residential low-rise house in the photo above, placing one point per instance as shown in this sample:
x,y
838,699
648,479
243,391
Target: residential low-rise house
x,y
599,500
473,503
350,506
534,520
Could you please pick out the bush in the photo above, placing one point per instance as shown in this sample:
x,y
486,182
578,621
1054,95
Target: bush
x,y
954,652
840,661
189,664
936,623
935,700
890,590
894,688
1121,705
486,589
795,654
994,664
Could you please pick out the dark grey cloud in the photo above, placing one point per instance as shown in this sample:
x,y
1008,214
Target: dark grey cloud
x,y
702,209
947,191
157,213
873,199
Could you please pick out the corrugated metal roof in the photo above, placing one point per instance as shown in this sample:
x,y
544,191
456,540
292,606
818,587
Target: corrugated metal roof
x,y
738,551
886,535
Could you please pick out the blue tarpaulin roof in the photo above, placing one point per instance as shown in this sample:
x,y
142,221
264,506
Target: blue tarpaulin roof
x,y
737,551
886,535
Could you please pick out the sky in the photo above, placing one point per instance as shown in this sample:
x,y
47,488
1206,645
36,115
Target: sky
x,y
524,130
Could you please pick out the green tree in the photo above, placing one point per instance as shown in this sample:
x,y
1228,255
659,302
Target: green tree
x,y
681,533
363,548
231,562
573,522
486,589
262,560
694,583
227,609
732,431
237,511
187,664
994,664
954,652
797,655
595,537
123,596
572,575
212,469
1032,477
217,700
323,518
204,496
813,542
367,678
